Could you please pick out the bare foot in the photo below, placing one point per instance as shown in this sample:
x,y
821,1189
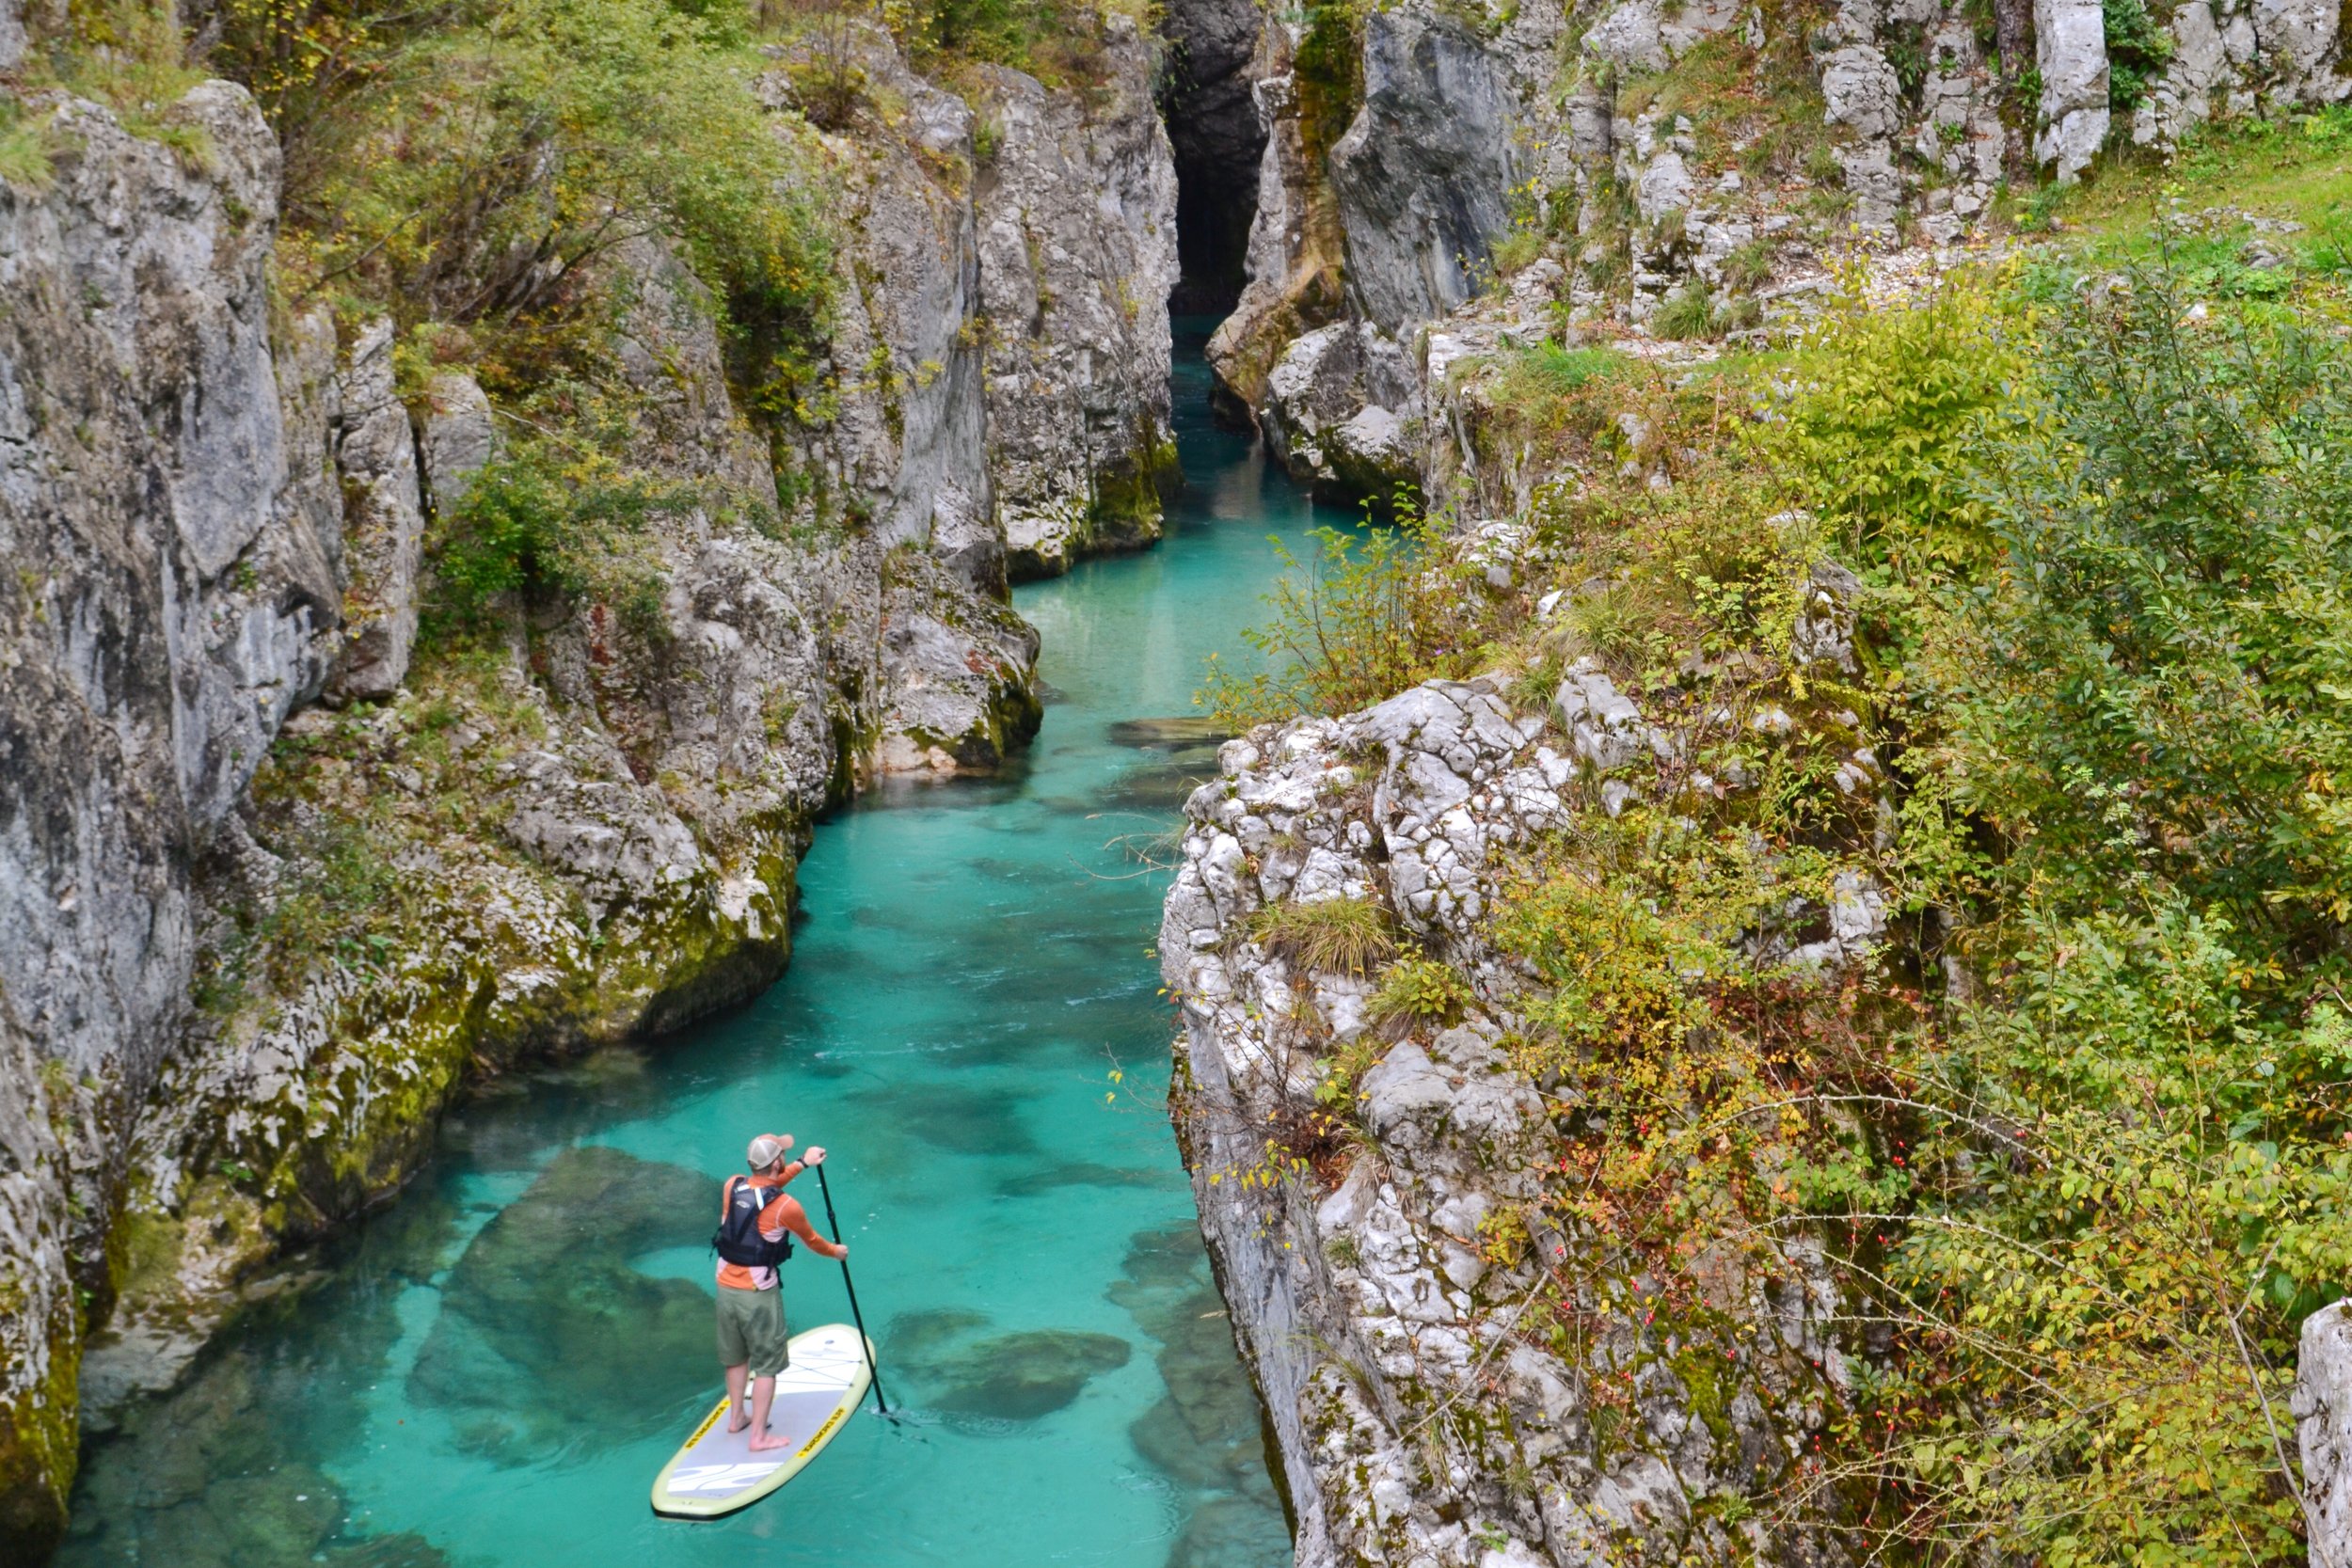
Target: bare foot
x,y
739,1422
767,1440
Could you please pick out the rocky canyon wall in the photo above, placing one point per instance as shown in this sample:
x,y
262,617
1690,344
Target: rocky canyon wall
x,y
1416,155
173,599
1427,1409
1436,188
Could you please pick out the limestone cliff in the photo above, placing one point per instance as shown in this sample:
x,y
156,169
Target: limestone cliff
x,y
1417,155
252,941
1459,1370
173,599
1076,200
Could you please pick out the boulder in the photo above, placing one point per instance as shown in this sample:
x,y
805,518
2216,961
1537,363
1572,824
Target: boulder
x,y
459,437
384,532
1342,410
2071,49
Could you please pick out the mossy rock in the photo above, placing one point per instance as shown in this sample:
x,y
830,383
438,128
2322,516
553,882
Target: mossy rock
x,y
38,1451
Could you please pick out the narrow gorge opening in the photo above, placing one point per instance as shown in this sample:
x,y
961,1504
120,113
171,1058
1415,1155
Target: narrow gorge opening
x,y
1213,128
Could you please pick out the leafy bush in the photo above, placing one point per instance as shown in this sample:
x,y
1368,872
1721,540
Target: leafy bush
x,y
1876,433
2093,1191
130,57
1420,988
2148,719
555,129
2139,49
2153,687
1058,41
1619,960
541,521
1374,612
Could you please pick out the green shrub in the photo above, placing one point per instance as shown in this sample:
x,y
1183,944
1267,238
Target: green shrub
x,y
2139,49
1374,612
2146,712
1688,312
1421,989
130,57
555,129
2154,683
1058,41
541,522
1326,935
1545,392
24,149
1876,436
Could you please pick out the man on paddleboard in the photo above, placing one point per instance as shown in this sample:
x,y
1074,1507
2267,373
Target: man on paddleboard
x,y
757,1221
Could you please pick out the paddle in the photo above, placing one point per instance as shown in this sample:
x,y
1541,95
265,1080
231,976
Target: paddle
x,y
833,1224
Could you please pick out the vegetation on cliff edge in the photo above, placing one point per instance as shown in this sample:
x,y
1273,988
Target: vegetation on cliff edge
x,y
2075,1127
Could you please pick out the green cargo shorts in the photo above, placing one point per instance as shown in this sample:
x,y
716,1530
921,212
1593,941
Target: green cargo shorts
x,y
751,1330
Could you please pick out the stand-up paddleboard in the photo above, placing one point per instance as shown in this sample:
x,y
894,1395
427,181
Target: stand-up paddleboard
x,y
717,1472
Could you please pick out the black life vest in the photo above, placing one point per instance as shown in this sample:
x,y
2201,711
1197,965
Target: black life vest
x,y
738,1239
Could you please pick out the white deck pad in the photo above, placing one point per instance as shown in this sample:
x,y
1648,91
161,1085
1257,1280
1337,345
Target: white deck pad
x,y
717,1472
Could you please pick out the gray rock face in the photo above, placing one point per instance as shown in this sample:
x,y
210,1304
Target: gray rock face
x,y
2297,40
1342,412
458,438
908,443
1294,257
1424,175
384,532
1859,88
2070,46
172,602
2323,1417
1414,1428
1077,256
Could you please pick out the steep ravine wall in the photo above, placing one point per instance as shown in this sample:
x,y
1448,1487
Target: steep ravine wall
x,y
1439,1399
229,731
1706,155
171,601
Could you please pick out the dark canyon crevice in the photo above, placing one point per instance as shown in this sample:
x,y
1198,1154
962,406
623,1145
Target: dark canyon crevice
x,y
1206,96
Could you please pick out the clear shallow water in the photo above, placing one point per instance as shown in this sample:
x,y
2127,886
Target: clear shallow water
x,y
493,1370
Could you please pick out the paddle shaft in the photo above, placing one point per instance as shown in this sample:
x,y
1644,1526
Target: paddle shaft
x,y
833,1223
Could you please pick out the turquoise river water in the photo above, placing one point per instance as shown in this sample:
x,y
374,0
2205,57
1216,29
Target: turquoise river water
x,y
491,1370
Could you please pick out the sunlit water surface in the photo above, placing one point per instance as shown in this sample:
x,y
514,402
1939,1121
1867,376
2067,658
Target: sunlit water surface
x,y
495,1367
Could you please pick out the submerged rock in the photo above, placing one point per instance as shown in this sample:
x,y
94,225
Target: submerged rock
x,y
958,1369
549,1340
